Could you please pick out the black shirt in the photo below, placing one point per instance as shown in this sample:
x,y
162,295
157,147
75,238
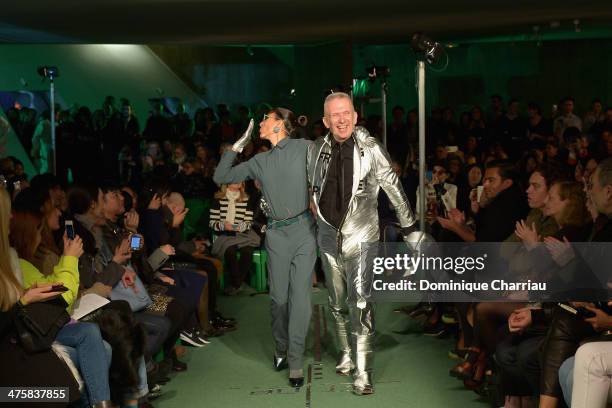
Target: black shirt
x,y
339,183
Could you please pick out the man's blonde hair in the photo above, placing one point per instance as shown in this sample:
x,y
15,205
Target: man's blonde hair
x,y
336,95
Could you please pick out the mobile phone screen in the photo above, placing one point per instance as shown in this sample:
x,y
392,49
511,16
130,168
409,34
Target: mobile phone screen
x,y
69,229
135,242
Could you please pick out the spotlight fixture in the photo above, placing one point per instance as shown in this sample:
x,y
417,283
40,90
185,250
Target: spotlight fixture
x,y
48,72
426,48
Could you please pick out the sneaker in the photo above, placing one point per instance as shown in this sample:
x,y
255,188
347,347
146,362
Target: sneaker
x,y
449,319
202,336
435,330
191,337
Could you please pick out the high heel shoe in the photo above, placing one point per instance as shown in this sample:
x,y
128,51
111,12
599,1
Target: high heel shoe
x,y
478,375
465,369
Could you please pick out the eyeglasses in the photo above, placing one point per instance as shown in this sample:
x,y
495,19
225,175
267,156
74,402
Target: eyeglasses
x,y
266,117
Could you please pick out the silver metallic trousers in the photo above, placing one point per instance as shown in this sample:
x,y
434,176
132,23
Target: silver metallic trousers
x,y
349,284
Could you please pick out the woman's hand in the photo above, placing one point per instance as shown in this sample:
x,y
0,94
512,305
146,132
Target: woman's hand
x,y
155,203
166,279
529,235
228,226
168,249
38,292
129,279
122,252
132,219
456,216
560,251
73,247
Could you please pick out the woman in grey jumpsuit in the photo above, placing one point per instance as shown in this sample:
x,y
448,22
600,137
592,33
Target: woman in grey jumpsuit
x,y
290,239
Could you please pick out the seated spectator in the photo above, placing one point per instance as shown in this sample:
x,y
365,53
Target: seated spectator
x,y
441,196
230,217
586,378
85,337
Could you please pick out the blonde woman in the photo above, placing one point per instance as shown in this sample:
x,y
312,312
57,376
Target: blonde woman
x,y
230,217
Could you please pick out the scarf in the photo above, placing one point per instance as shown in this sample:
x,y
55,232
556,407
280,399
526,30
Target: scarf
x,y
231,196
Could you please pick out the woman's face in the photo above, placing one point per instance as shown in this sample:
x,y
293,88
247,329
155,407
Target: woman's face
x,y
267,126
53,219
439,175
554,205
234,187
474,176
201,153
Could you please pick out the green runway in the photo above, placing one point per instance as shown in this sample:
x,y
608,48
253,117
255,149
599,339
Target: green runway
x,y
411,370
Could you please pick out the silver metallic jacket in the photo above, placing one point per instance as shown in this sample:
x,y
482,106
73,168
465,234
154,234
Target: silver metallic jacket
x,y
371,172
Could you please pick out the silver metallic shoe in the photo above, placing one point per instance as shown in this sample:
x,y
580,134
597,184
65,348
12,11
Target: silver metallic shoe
x,y
363,384
345,364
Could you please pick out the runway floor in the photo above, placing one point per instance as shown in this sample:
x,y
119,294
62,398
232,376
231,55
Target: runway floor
x,y
411,370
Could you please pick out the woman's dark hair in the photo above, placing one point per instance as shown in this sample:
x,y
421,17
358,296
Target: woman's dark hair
x,y
287,117
551,173
81,197
156,186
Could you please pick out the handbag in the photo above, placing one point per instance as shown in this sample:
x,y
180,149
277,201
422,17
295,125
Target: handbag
x,y
160,300
38,323
137,295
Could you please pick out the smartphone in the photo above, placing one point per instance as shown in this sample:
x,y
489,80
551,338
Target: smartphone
x,y
136,242
58,288
69,229
579,311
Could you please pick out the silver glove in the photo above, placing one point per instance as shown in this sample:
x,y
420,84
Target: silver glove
x,y
245,139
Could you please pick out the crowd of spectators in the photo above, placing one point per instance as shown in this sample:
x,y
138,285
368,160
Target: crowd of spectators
x,y
117,180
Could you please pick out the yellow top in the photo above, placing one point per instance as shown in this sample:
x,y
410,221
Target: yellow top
x,y
65,272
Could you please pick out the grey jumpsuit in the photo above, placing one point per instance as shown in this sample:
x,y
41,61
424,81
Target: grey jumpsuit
x,y
291,244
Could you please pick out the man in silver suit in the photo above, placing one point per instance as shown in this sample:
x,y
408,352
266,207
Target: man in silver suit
x,y
346,170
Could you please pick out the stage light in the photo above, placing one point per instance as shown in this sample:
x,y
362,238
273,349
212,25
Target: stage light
x,y
48,72
425,46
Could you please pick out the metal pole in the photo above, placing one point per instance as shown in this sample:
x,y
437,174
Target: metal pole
x,y
52,101
384,112
421,91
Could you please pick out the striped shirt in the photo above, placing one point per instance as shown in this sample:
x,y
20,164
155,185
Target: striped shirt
x,y
218,215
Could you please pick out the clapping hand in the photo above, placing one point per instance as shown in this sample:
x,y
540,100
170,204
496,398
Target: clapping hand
x,y
529,235
560,251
